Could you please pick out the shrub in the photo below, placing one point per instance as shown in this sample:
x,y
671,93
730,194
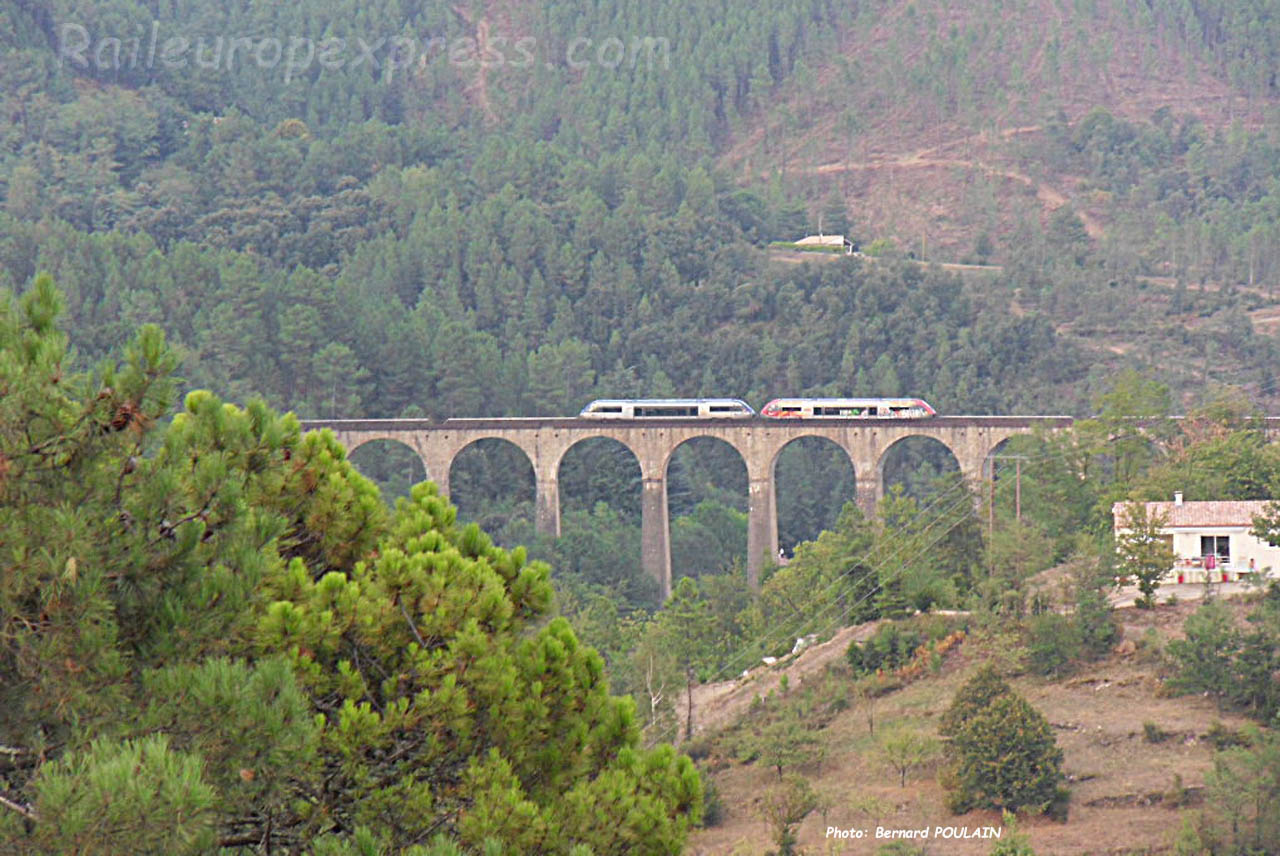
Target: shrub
x,y
712,805
890,648
1234,665
1225,738
1053,643
1177,795
1002,749
1095,623
977,693
784,808
1204,658
697,748
906,749
900,848
1013,842
1153,733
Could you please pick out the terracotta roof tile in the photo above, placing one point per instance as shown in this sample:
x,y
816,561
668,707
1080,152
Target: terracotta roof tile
x,y
1215,513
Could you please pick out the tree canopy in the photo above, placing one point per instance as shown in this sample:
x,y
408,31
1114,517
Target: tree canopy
x,y
217,635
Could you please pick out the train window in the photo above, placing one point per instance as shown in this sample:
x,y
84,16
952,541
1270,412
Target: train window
x,y
725,408
609,409
666,411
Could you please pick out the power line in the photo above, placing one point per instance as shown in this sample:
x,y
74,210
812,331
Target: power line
x,y
833,604
874,563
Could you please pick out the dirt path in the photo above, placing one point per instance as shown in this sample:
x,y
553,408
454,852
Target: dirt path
x,y
718,704
1266,320
1050,197
478,89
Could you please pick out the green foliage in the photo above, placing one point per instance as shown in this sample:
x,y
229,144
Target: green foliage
x,y
112,792
1053,642
1093,618
831,567
1144,552
784,743
927,550
1002,750
889,648
1013,842
900,848
317,666
709,540
784,807
1222,737
1244,791
1234,665
1006,757
905,749
974,696
712,805
1153,733
1204,657
252,725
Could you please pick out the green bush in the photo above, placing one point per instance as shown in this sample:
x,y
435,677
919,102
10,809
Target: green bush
x,y
1225,738
1053,643
977,693
1153,733
900,848
1013,842
712,805
1003,753
890,648
697,748
1095,624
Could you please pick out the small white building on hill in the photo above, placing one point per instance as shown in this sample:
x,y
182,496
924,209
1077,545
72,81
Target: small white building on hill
x,y
833,241
1210,540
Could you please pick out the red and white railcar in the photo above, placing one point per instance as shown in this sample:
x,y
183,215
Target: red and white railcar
x,y
847,408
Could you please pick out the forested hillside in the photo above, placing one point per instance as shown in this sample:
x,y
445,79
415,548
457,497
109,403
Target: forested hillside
x,y
459,238
447,210
1115,158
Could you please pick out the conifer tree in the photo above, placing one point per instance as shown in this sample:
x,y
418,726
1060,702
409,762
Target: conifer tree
x,y
321,671
1003,753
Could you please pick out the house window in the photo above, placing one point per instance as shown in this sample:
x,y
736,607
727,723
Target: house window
x,y
1217,545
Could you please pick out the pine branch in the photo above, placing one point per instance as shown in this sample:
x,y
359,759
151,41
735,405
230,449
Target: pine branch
x,y
24,810
412,628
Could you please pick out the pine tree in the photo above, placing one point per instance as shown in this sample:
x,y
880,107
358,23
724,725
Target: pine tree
x,y
1143,550
972,698
1002,751
321,672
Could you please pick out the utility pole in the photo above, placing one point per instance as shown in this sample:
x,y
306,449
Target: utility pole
x,y
1017,489
991,520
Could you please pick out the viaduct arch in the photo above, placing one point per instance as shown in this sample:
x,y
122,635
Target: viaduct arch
x,y
971,439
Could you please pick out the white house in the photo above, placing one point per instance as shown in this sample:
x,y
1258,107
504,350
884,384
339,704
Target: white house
x,y
1210,539
833,241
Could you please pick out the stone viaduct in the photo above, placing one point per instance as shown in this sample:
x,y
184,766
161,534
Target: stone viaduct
x,y
971,439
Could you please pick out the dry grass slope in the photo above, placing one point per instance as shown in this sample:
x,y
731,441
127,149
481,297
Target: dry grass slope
x,y
1124,797
921,123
